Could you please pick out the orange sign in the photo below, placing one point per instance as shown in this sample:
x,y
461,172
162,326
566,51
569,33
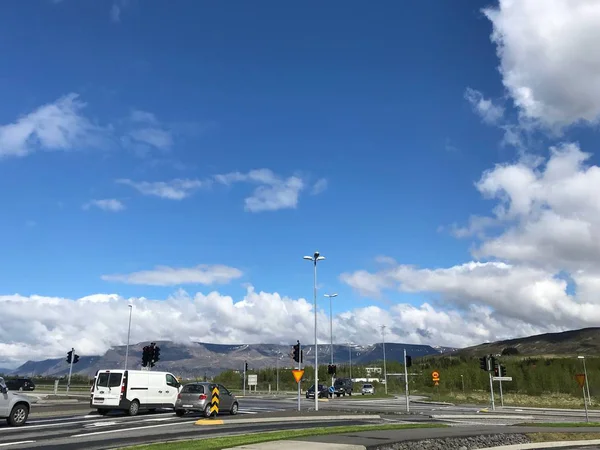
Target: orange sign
x,y
435,376
580,377
298,374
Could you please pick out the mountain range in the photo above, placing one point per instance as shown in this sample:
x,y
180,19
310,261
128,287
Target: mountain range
x,y
199,359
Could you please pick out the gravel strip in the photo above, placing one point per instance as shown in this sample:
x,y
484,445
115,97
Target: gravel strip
x,y
458,443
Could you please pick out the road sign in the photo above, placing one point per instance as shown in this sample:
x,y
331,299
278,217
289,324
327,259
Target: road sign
x,y
502,378
252,380
214,401
435,376
298,374
580,377
331,389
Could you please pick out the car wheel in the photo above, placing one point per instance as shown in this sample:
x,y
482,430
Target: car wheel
x,y
234,409
350,393
207,411
134,408
18,415
180,412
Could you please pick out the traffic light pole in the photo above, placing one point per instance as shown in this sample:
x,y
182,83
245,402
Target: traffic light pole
x,y
70,369
406,382
244,380
300,368
491,386
501,396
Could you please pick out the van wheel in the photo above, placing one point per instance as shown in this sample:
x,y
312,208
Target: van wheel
x,y
18,415
134,408
234,409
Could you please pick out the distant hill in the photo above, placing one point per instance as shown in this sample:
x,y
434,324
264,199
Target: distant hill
x,y
574,342
198,359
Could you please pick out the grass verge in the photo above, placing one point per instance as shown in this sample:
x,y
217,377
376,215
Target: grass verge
x,y
548,437
510,399
560,424
219,443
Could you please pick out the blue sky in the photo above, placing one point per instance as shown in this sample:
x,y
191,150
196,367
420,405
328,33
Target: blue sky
x,y
366,107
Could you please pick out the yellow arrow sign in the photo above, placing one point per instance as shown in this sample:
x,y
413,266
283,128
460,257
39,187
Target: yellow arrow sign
x,y
298,374
214,401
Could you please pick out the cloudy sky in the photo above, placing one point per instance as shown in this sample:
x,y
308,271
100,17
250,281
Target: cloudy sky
x,y
184,158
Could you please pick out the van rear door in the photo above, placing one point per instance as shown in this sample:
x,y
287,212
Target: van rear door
x,y
107,390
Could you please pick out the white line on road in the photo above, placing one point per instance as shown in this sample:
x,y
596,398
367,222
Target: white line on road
x,y
125,430
16,443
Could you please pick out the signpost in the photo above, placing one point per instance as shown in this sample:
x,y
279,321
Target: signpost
x,y
406,383
500,380
580,377
435,376
299,373
252,381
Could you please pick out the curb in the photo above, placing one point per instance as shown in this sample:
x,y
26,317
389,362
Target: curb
x,y
209,422
479,416
299,445
423,402
545,445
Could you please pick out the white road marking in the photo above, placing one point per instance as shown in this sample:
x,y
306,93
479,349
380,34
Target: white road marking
x,y
99,424
16,443
124,430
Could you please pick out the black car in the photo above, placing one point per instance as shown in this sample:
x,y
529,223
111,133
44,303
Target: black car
x,y
343,386
323,393
20,384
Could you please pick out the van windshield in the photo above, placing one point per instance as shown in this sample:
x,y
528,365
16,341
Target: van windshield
x,y
109,380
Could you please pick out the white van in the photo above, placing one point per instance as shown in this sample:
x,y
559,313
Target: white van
x,y
132,390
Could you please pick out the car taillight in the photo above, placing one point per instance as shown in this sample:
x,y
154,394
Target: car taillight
x,y
178,395
202,397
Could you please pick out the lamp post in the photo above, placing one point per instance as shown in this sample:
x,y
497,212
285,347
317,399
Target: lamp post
x,y
384,366
128,335
587,386
331,328
315,258
350,358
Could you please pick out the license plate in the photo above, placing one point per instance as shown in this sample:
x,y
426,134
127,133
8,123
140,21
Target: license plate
x,y
98,400
188,406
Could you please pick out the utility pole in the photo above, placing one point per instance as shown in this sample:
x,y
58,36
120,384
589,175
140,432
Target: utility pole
x,y
490,368
300,368
70,368
128,336
277,368
350,353
406,382
244,380
384,365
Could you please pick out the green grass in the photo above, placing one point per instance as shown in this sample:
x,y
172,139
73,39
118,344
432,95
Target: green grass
x,y
549,437
232,441
560,424
546,401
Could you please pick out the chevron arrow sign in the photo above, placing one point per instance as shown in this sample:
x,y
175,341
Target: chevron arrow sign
x,y
214,402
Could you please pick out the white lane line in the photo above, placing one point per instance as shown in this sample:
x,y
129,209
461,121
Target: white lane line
x,y
126,430
100,419
16,443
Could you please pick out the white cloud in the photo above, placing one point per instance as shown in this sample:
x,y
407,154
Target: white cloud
x,y
548,58
489,112
115,13
168,276
55,126
155,137
258,317
543,266
145,132
107,204
177,189
319,186
274,192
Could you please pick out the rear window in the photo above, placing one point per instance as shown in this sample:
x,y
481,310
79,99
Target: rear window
x,y
367,385
193,389
110,380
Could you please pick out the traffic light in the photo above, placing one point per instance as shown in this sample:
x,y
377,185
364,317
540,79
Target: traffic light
x,y
246,366
69,356
296,352
483,363
493,363
75,359
145,356
502,371
408,361
497,371
331,369
156,354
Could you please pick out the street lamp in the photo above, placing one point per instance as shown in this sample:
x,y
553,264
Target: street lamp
x,y
384,366
315,258
279,356
587,386
350,358
331,328
128,335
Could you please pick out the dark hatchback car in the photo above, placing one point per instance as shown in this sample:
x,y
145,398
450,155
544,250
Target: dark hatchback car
x,y
323,391
20,384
